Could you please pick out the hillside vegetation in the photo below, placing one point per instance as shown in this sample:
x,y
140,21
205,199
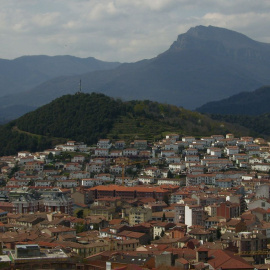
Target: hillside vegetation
x,y
259,125
89,117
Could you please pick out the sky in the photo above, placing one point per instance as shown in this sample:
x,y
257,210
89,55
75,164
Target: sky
x,y
119,30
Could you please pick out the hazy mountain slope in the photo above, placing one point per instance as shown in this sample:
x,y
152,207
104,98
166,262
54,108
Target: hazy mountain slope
x,y
204,64
26,72
246,103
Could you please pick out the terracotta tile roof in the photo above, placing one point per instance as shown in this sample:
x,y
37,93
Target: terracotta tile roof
x,y
227,260
126,189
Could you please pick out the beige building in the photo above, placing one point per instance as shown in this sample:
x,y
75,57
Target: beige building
x,y
138,215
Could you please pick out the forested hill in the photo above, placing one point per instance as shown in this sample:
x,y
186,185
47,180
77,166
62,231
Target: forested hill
x,y
259,124
79,116
88,117
245,103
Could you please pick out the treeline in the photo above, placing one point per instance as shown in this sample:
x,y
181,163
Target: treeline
x,y
258,125
12,141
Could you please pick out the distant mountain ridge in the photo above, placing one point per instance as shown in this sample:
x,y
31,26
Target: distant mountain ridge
x,y
246,103
26,72
204,64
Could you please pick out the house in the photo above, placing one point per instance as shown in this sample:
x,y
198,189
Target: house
x,y
262,203
116,153
263,167
73,166
140,144
201,234
78,159
177,167
191,151
91,182
120,144
188,139
200,145
44,183
59,230
104,144
102,152
167,153
173,159
69,183
146,180
152,171
160,228
224,183
193,180
214,151
208,140
231,150
172,136
94,167
171,146
170,181
130,152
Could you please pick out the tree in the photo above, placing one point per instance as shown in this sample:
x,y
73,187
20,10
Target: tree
x,y
211,239
96,227
80,227
170,174
218,233
79,214
13,170
166,200
162,233
50,156
163,217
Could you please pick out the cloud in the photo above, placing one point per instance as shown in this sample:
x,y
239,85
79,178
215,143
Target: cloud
x,y
119,30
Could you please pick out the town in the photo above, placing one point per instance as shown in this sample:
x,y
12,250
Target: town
x,y
178,203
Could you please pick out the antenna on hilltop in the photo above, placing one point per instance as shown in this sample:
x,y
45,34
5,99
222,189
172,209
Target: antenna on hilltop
x,y
80,87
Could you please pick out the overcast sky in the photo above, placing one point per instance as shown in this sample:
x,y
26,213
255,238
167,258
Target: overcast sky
x,y
119,30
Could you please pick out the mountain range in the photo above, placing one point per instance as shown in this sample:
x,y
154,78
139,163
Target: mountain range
x,y
204,64
245,103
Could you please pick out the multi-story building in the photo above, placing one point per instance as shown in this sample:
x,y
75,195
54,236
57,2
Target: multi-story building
x,y
139,215
57,202
228,210
194,215
127,192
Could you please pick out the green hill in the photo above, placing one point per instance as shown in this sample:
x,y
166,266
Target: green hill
x,y
89,117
